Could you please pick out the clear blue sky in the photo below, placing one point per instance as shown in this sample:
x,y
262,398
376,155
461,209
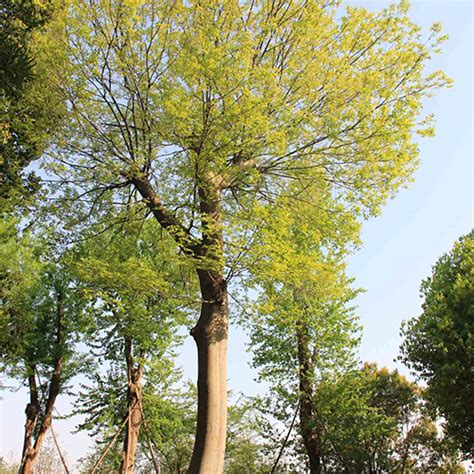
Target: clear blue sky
x,y
400,246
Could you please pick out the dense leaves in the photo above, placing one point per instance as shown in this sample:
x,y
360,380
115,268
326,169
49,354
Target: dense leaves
x,y
374,419
28,109
439,344
41,322
231,142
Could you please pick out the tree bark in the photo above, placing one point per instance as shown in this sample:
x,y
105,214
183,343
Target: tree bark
x,y
134,421
32,412
309,432
31,453
210,334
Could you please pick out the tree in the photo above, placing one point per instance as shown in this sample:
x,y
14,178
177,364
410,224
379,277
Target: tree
x,y
439,345
245,451
172,423
209,109
27,108
304,329
170,415
49,460
137,297
40,323
375,420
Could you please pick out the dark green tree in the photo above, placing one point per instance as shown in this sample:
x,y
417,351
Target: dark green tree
x,y
439,344
28,109
374,420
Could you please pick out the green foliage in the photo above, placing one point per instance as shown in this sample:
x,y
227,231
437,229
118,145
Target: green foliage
x,y
374,419
41,324
138,294
292,120
236,100
220,114
171,419
304,329
17,20
137,288
28,109
245,450
32,281
439,344
301,283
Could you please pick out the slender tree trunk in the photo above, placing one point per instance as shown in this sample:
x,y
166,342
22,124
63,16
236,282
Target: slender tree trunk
x,y
309,432
134,421
210,334
30,453
32,412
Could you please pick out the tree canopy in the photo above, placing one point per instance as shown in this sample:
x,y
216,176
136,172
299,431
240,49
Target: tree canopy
x,y
439,344
188,148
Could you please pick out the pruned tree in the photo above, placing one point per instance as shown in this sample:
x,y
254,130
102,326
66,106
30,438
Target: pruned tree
x,y
138,298
41,322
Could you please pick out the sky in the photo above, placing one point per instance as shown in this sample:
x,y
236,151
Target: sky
x,y
399,247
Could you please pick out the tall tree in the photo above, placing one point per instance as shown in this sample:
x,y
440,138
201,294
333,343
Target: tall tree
x,y
439,344
138,299
304,329
206,109
40,318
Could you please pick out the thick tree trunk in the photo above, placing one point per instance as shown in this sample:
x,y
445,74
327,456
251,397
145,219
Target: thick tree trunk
x,y
210,334
134,421
309,432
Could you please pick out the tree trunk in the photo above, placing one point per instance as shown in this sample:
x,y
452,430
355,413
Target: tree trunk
x,y
134,421
309,432
210,334
30,453
32,412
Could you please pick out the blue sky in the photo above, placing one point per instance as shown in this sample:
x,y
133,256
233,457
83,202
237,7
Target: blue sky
x,y
400,246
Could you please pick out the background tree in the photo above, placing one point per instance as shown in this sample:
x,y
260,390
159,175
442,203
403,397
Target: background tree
x,y
206,109
172,424
375,420
245,451
304,328
138,300
171,421
304,335
49,461
40,320
28,109
439,344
